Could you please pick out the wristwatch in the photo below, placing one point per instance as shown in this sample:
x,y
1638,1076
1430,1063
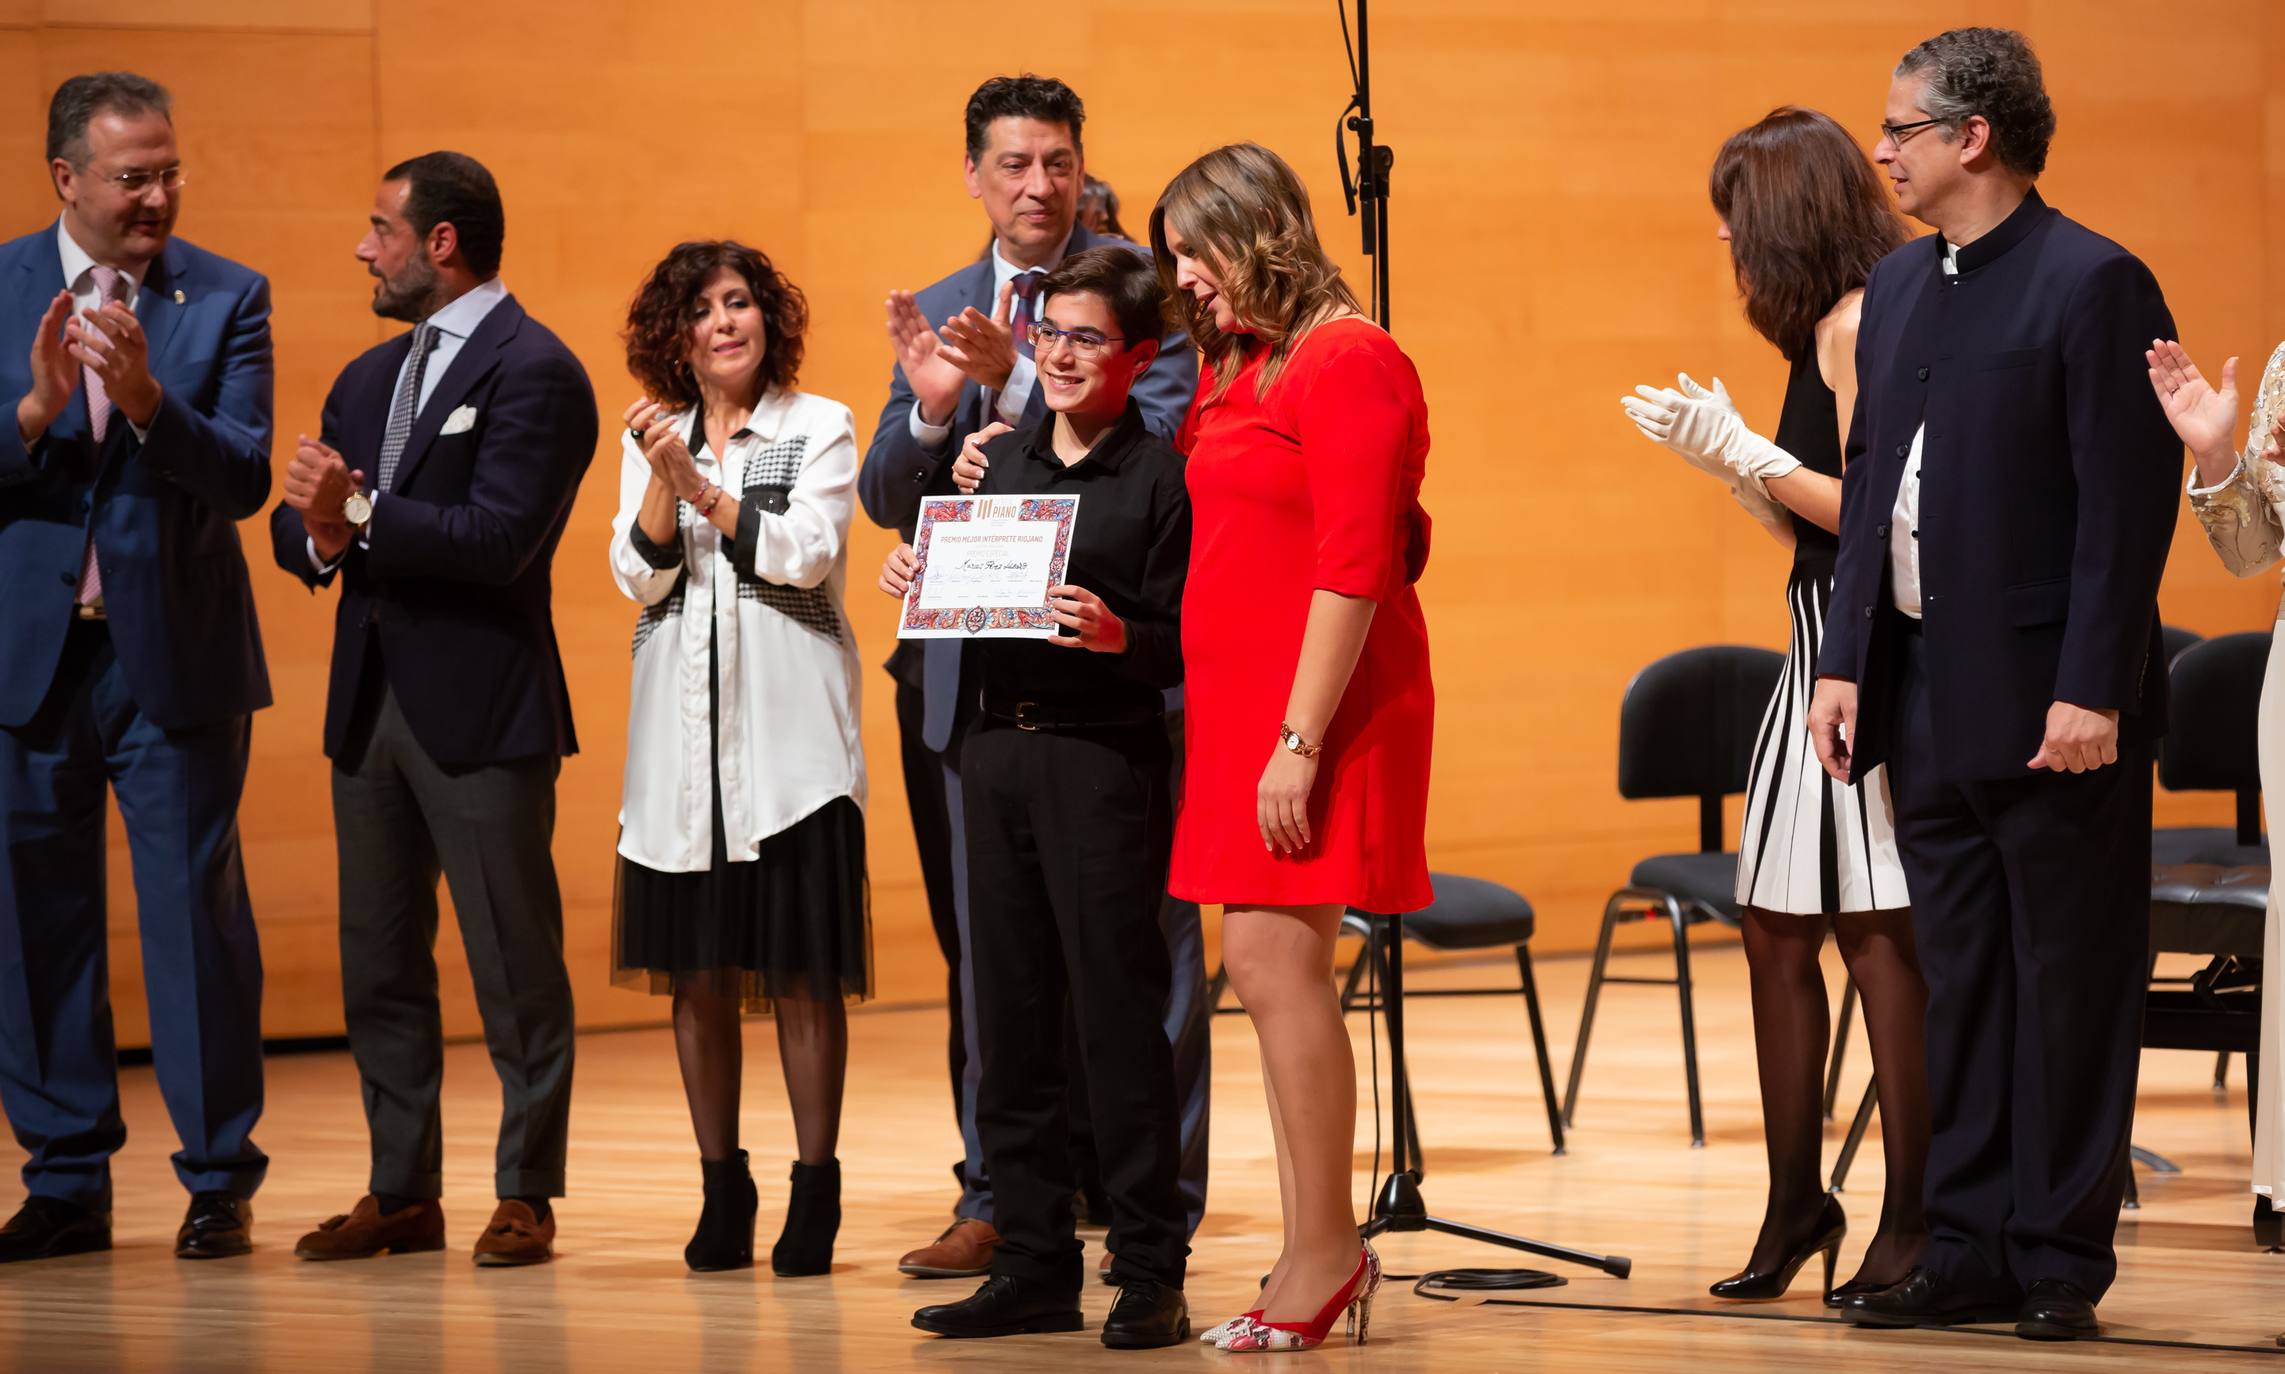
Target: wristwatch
x,y
357,511
1294,743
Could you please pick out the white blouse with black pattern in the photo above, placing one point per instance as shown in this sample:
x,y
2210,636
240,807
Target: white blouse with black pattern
x,y
786,727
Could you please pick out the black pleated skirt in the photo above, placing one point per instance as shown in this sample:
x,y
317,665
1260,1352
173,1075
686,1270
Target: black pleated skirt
x,y
794,921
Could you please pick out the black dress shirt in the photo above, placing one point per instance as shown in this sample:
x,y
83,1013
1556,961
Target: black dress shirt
x,y
1131,547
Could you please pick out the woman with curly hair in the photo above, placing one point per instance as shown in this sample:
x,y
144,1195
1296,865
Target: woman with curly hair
x,y
742,843
1311,710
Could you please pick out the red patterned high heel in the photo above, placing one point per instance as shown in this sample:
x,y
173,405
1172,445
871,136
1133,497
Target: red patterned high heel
x,y
1221,1335
1355,1298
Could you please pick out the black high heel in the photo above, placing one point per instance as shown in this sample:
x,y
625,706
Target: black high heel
x,y
812,1221
725,1235
1763,1284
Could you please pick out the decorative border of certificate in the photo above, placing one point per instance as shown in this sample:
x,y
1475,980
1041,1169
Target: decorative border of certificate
x,y
988,621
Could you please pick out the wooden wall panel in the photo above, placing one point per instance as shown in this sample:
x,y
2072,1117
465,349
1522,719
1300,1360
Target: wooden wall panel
x,y
1553,246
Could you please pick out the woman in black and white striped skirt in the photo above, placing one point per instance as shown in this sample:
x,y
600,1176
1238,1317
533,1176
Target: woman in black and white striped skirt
x,y
1806,218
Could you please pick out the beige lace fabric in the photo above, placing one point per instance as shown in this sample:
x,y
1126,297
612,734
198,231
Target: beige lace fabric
x,y
2244,517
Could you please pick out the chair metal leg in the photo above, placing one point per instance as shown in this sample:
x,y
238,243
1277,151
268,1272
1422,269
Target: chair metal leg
x,y
1855,1141
1689,1020
1539,1046
1840,1044
2132,1202
1587,1012
2221,1072
1350,981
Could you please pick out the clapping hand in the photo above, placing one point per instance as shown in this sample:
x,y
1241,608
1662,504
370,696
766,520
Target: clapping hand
x,y
111,344
55,373
2204,417
934,378
968,469
319,481
663,448
982,346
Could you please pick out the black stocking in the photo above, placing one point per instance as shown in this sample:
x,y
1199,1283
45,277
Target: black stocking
x,y
813,1049
1877,946
1791,1025
710,1048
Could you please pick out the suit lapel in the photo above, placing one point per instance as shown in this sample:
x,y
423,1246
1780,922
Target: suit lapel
x,y
471,365
155,306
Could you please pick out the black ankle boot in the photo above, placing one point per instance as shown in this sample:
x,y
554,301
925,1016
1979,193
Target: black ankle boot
x,y
812,1220
725,1235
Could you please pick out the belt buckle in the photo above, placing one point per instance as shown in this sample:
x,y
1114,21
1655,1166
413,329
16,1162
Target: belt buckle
x,y
1021,723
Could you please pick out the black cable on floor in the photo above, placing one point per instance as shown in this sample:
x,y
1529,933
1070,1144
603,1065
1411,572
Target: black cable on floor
x,y
1454,1282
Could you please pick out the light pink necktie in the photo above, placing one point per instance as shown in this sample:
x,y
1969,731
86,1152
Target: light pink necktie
x,y
98,421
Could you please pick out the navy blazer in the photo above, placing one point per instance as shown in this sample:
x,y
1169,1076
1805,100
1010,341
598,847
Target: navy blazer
x,y
452,602
162,510
898,472
2046,491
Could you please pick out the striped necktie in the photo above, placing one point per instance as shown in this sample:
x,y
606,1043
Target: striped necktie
x,y
406,405
107,284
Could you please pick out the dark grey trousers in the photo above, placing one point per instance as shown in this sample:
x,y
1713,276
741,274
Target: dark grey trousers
x,y
398,821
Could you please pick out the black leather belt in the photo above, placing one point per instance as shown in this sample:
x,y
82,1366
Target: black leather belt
x,y
1033,715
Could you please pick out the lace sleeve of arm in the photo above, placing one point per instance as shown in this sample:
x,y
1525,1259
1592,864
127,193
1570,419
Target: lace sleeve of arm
x,y
2239,519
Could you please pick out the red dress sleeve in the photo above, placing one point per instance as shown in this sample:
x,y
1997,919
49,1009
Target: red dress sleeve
x,y
1356,432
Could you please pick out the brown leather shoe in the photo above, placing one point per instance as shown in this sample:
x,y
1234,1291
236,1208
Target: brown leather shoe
x,y
516,1235
964,1251
365,1232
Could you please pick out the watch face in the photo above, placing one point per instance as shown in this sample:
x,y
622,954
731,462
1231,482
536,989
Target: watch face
x,y
358,508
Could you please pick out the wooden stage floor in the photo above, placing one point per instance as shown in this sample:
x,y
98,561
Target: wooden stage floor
x,y
618,1297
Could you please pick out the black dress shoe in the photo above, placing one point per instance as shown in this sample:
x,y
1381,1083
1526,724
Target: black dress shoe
x,y
217,1226
44,1228
1926,1299
1146,1316
1004,1306
1854,1288
2057,1311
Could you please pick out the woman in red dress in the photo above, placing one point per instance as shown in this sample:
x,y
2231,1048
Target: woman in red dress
x,y
1309,703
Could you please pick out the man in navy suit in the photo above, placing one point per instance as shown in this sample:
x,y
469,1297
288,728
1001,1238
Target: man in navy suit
x,y
1994,641
436,492
129,654
952,381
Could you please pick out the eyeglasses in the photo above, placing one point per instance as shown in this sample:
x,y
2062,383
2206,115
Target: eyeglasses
x,y
137,182
1084,342
1897,133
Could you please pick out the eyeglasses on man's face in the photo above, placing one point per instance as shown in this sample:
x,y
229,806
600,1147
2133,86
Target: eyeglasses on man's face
x,y
1896,134
137,182
1084,342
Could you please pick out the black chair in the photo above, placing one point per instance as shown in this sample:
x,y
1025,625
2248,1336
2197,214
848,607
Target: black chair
x,y
1686,729
2219,913
1468,914
2177,641
2212,722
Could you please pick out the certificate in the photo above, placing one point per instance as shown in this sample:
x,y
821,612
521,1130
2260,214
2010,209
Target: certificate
x,y
986,563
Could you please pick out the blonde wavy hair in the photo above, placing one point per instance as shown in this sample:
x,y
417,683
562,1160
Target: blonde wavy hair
x,y
1242,210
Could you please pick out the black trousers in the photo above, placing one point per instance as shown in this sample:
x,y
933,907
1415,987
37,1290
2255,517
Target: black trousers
x,y
2031,910
399,820
932,835
1068,839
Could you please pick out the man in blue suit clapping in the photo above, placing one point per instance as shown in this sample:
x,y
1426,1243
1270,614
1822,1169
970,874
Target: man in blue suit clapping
x,y
129,654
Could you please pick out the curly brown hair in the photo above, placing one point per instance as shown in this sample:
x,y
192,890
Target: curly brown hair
x,y
1244,210
658,321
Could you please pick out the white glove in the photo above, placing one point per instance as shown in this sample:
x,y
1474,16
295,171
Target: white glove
x,y
1705,428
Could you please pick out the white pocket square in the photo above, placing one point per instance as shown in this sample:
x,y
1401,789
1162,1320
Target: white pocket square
x,y
460,421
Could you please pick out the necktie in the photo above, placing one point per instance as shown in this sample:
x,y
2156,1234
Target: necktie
x,y
405,406
98,424
1027,290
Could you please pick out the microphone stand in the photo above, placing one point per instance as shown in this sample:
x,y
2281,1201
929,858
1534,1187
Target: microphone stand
x,y
1398,1206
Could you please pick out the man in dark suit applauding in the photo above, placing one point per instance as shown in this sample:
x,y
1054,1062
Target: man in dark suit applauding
x,y
963,365
1994,641
129,654
436,491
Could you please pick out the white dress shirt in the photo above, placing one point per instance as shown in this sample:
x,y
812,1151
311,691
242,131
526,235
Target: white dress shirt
x,y
786,721
1904,521
79,279
454,324
1009,402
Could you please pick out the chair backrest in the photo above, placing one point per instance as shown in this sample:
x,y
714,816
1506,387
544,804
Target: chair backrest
x,y
2177,640
2213,721
1687,725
